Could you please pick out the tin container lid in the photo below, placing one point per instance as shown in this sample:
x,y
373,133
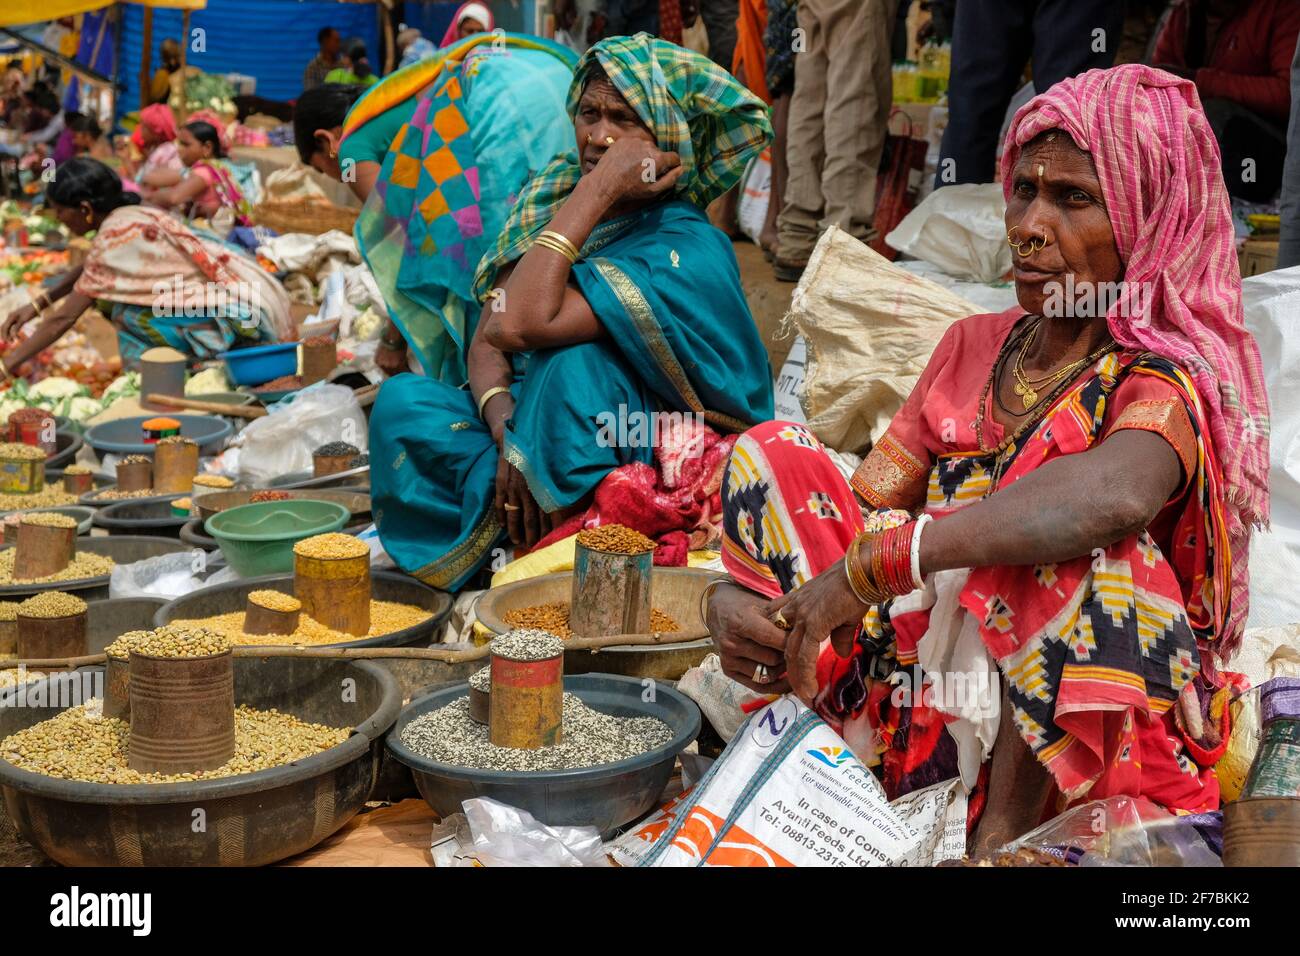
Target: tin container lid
x,y
1279,698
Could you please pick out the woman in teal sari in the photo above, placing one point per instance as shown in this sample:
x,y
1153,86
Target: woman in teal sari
x,y
607,294
438,153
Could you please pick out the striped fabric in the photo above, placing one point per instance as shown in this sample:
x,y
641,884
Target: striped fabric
x,y
694,107
1160,173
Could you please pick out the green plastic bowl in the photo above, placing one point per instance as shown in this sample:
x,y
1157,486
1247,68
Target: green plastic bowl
x,y
259,538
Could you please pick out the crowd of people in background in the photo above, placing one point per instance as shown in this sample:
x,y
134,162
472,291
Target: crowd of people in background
x,y
824,67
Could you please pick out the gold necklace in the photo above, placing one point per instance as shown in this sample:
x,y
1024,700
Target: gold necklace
x,y
1028,389
1028,422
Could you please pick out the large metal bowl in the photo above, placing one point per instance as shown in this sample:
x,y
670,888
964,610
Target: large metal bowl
x,y
384,586
247,820
606,796
149,516
675,591
123,549
356,501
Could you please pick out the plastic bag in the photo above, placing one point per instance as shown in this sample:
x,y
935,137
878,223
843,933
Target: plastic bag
x,y
1128,831
497,834
164,576
1270,301
755,194
282,442
961,229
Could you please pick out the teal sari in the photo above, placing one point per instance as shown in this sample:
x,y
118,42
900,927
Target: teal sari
x,y
680,338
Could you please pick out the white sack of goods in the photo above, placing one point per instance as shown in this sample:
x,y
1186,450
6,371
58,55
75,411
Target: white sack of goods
x,y
870,328
961,229
788,791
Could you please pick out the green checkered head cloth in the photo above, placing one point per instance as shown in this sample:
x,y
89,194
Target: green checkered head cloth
x,y
694,108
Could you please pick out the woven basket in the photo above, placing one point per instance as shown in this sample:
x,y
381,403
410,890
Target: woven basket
x,y
310,216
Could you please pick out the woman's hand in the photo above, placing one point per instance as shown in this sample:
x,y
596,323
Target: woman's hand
x,y
823,607
392,359
16,320
746,639
517,510
633,169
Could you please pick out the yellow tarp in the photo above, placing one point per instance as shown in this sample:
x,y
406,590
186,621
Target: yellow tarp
x,y
17,12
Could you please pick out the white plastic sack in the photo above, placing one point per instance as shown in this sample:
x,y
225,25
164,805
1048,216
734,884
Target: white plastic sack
x,y
787,791
755,195
497,834
165,576
1271,302
282,442
960,229
789,384
870,328
718,696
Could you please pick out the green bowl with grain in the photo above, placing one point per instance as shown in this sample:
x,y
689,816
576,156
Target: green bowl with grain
x,y
259,538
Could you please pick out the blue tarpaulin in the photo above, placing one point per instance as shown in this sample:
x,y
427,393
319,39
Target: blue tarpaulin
x,y
272,40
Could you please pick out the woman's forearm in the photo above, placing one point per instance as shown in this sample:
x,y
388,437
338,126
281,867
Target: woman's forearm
x,y
64,284
53,328
1061,510
534,293
185,191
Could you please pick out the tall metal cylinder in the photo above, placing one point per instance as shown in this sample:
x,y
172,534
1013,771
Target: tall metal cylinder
x,y
182,713
610,593
335,591
526,702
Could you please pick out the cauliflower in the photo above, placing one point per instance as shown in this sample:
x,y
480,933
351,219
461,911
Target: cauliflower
x,y
208,382
368,325
54,388
124,386
82,408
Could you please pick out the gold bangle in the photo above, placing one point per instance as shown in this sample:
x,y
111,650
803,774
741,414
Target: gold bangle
x,y
706,594
546,242
570,250
487,396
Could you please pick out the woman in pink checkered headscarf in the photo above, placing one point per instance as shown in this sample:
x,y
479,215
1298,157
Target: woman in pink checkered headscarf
x,y
1066,495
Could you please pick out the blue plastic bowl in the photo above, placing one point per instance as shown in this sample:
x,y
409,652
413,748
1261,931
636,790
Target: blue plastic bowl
x,y
122,437
261,364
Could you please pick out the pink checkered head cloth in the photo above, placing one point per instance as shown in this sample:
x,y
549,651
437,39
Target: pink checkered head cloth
x,y
1161,178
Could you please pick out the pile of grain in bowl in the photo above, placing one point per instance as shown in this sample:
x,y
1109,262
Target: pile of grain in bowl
x,y
450,736
554,617
51,496
525,644
331,546
386,617
615,539
81,744
83,565
275,601
51,605
49,519
17,451
123,644
172,640
268,494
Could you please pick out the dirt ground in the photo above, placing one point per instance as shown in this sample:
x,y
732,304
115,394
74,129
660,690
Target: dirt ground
x,y
14,850
768,300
